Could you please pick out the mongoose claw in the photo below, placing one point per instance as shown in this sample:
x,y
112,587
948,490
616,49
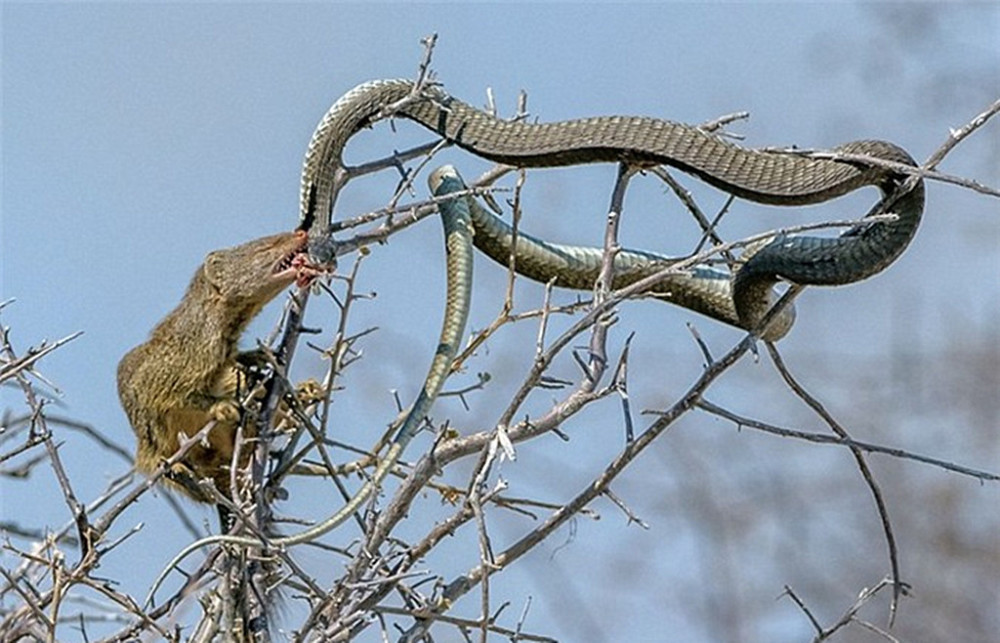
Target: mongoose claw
x,y
225,411
309,392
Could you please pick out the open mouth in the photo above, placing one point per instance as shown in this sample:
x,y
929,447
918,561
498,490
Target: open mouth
x,y
291,259
296,265
288,261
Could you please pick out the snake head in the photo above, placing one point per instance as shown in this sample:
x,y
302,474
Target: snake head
x,y
322,249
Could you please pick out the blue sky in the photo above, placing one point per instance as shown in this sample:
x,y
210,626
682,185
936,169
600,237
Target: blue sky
x,y
136,138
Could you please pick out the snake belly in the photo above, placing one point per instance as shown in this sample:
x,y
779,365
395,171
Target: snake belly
x,y
764,176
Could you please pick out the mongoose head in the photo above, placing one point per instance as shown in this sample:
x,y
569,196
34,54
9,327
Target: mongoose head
x,y
256,271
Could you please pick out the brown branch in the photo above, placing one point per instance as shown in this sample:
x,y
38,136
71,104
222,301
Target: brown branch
x,y
898,586
15,365
822,438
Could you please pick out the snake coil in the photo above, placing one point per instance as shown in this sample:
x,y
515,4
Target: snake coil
x,y
764,176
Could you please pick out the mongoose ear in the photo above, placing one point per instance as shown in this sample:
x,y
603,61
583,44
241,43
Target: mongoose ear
x,y
212,269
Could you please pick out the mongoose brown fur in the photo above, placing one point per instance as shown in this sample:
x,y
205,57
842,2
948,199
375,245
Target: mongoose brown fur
x,y
187,374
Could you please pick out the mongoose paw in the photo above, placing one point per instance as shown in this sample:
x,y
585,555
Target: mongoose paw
x,y
309,391
256,359
225,411
184,477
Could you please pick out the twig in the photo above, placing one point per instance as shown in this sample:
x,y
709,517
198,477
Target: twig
x,y
822,438
898,587
428,616
15,365
957,136
901,168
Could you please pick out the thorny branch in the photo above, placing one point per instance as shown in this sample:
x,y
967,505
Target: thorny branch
x,y
849,616
899,588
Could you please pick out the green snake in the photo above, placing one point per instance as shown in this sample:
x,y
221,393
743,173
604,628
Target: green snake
x,y
779,178
699,288
458,247
765,176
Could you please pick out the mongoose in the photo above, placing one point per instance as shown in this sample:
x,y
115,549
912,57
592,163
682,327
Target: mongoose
x,y
187,373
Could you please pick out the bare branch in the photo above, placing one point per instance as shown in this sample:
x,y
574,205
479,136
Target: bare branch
x,y
821,438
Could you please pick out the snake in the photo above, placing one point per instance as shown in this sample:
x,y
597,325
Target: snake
x,y
702,289
776,177
765,176
455,220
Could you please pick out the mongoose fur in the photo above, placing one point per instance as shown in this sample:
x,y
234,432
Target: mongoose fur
x,y
187,373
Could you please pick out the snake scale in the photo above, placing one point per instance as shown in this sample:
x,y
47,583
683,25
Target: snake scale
x,y
699,288
771,177
765,176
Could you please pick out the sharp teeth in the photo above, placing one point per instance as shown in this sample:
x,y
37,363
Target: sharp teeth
x,y
285,263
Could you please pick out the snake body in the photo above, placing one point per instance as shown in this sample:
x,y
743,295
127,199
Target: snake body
x,y
458,248
699,288
779,178
763,176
